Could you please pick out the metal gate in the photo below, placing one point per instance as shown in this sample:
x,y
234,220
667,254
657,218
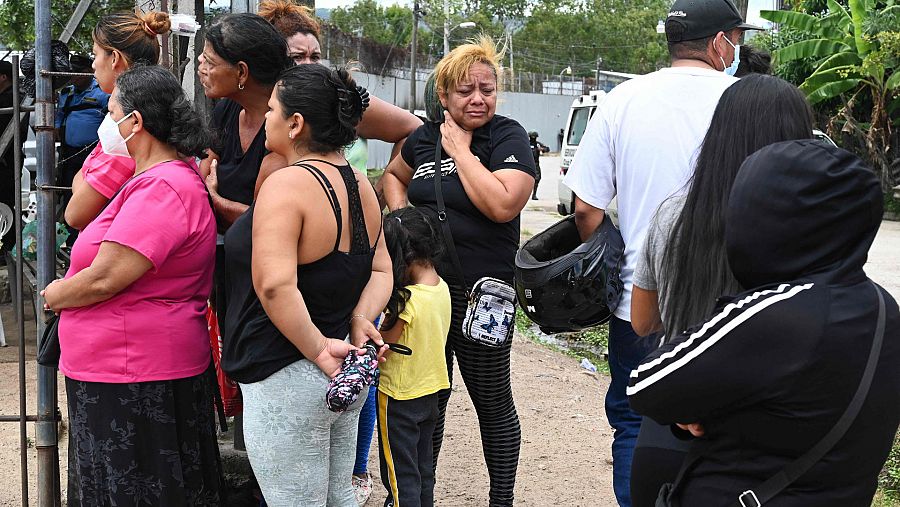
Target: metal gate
x,y
46,420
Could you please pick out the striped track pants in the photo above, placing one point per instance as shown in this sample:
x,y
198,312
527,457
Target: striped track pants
x,y
485,371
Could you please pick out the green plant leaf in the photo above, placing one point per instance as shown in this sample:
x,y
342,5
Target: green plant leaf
x,y
859,13
894,105
893,81
832,90
876,72
834,25
820,79
839,60
837,9
812,48
800,21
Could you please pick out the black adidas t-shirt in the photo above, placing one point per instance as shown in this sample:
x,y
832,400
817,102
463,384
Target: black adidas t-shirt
x,y
485,247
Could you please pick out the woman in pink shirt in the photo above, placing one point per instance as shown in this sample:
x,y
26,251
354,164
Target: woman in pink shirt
x,y
121,40
132,328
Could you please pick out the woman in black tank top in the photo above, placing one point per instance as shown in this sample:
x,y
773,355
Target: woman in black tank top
x,y
306,267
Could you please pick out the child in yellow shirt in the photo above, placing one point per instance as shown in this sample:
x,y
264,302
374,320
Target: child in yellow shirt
x,y
418,316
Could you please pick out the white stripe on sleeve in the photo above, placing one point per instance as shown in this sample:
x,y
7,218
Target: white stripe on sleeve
x,y
766,298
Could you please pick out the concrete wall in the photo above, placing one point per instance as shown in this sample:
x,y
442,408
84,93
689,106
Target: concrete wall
x,y
545,114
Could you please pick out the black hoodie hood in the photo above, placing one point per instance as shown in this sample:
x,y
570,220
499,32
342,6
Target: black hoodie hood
x,y
802,209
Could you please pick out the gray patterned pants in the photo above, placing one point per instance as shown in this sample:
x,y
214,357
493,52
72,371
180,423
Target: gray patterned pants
x,y
301,452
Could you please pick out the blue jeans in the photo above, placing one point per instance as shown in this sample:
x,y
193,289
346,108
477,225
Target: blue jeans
x,y
364,435
626,350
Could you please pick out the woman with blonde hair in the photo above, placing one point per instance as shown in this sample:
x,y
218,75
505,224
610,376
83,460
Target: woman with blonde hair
x,y
121,40
487,175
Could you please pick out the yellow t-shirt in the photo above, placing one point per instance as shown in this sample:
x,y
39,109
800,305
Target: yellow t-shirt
x,y
427,318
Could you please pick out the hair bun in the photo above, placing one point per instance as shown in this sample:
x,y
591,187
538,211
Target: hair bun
x,y
352,99
156,23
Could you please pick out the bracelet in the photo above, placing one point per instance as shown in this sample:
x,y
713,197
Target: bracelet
x,y
358,316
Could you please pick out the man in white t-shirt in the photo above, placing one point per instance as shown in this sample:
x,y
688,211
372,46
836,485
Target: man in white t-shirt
x,y
640,146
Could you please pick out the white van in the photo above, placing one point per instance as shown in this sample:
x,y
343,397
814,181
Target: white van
x,y
580,113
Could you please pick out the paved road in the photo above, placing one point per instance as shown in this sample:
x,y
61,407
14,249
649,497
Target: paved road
x,y
884,257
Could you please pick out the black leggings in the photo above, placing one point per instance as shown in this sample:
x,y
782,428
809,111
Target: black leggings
x,y
485,371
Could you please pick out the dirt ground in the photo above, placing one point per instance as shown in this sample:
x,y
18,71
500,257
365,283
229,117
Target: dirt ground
x,y
565,457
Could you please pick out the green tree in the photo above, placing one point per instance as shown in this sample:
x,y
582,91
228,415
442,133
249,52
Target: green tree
x,y
384,25
17,21
617,35
855,55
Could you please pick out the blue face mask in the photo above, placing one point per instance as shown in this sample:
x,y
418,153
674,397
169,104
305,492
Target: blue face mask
x,y
731,70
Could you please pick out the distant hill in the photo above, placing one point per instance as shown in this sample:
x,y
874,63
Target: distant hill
x,y
324,14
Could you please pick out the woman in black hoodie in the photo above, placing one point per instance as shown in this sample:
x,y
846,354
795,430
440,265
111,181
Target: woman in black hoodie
x,y
769,374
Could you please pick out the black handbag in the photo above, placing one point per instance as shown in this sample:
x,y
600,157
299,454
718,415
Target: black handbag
x,y
48,348
786,476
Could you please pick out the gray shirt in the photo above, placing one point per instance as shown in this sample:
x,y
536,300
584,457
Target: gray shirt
x,y
649,265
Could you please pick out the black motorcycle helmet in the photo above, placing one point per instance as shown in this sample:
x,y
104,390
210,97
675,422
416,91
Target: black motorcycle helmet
x,y
565,285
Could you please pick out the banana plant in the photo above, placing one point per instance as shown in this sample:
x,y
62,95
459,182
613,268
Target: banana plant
x,y
850,62
840,46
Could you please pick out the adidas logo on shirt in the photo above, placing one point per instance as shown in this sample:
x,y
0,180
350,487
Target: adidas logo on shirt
x,y
511,158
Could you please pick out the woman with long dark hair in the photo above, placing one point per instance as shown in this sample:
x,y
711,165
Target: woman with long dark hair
x,y
791,388
684,268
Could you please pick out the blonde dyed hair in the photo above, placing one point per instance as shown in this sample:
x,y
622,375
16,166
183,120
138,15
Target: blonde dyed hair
x,y
289,18
454,68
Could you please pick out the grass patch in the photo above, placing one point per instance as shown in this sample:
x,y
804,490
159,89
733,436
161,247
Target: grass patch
x,y
590,343
374,175
889,479
890,204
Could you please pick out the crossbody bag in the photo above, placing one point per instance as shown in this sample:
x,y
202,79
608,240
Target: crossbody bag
x,y
490,314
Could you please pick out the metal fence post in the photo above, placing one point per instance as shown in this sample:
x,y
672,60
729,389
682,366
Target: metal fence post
x,y
16,279
46,427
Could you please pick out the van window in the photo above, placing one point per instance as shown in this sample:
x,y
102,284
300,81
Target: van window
x,y
580,118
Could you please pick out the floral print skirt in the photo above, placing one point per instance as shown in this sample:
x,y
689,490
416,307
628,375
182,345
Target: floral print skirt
x,y
144,444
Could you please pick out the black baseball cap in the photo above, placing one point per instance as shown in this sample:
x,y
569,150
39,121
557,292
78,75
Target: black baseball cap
x,y
80,63
696,19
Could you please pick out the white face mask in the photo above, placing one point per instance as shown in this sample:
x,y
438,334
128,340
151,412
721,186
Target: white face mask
x,y
732,69
110,138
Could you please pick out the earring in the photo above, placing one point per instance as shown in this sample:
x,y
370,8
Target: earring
x,y
240,85
290,135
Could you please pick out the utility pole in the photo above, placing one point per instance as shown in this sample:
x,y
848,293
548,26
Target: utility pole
x,y
412,57
446,27
512,67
